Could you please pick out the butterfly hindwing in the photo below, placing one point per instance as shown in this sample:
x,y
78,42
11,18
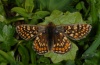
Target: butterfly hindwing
x,y
77,31
40,44
61,43
27,31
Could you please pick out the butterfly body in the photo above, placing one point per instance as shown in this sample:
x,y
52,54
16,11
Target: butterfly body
x,y
53,37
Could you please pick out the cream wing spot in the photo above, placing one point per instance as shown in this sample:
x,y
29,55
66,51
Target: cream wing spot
x,y
57,44
69,27
76,34
61,34
75,27
28,27
71,35
40,34
65,38
33,28
32,35
73,31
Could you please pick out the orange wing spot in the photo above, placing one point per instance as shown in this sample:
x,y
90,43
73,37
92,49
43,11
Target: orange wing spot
x,y
63,49
67,45
21,29
59,48
37,47
28,37
75,36
40,49
56,48
45,48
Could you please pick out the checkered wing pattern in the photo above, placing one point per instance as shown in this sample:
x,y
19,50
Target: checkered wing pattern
x,y
61,43
40,44
77,31
53,38
27,31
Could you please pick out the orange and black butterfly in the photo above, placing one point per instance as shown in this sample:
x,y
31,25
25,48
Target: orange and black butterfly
x,y
53,37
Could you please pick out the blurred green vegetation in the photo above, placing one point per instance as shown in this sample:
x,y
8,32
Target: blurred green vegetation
x,y
16,51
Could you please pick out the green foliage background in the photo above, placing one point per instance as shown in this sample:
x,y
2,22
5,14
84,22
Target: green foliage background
x,y
16,51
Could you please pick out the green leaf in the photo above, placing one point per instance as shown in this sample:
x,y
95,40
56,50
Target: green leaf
x,y
93,12
1,26
94,59
31,52
6,37
57,17
19,2
79,6
3,63
43,60
1,38
24,54
70,55
2,18
39,15
33,57
8,31
70,62
29,5
54,4
98,8
2,59
8,57
20,11
2,10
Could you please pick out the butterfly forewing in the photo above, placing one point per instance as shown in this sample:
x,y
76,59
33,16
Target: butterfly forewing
x,y
77,31
40,44
61,43
27,31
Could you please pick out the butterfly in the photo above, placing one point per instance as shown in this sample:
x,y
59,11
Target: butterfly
x,y
53,37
